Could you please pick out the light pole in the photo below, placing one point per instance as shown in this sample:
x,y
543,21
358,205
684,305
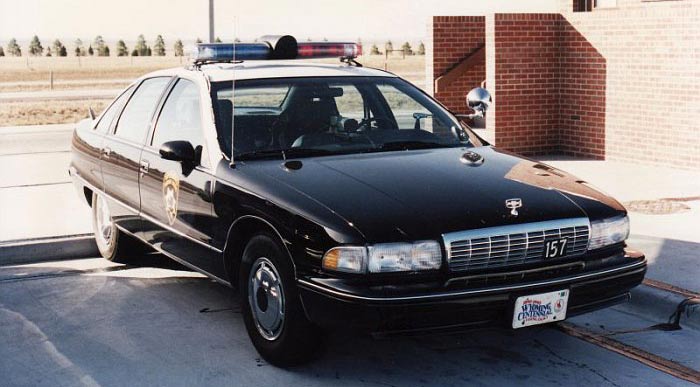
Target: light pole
x,y
211,21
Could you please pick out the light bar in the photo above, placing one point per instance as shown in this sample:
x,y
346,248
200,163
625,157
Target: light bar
x,y
221,52
328,50
273,47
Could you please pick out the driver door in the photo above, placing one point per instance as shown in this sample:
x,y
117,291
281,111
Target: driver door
x,y
176,198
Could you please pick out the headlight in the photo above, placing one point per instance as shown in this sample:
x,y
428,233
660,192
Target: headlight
x,y
385,257
608,232
391,257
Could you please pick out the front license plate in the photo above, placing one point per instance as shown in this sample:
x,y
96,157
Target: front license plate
x,y
540,308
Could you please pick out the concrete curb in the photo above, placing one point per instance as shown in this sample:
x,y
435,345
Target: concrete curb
x,y
658,304
47,249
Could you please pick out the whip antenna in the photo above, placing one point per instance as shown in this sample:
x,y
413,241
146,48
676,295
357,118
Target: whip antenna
x,y
233,90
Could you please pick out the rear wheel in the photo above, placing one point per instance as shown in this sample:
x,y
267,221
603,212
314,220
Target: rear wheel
x,y
271,306
112,243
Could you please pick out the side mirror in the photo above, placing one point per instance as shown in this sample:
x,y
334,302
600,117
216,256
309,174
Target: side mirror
x,y
479,100
181,151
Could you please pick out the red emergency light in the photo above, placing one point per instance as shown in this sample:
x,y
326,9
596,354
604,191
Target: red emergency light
x,y
307,50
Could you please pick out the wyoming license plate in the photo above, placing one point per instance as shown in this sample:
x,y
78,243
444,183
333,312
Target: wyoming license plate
x,y
540,308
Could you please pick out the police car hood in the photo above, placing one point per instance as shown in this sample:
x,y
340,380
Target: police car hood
x,y
420,194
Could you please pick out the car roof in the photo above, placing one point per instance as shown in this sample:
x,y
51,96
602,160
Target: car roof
x,y
218,72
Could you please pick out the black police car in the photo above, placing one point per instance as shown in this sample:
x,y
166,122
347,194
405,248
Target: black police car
x,y
341,197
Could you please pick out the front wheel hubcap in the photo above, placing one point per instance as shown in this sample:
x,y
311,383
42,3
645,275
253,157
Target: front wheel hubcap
x,y
266,298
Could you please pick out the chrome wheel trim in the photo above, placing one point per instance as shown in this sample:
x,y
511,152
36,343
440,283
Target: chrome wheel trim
x,y
266,298
104,227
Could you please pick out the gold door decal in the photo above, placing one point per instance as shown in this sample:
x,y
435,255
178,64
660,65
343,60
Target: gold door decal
x,y
171,190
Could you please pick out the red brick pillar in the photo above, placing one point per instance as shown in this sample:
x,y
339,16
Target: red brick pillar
x,y
455,38
526,82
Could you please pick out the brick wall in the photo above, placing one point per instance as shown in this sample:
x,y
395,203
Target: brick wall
x,y
454,38
652,83
620,83
582,97
526,82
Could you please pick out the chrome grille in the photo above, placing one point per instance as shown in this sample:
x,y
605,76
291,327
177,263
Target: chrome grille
x,y
513,244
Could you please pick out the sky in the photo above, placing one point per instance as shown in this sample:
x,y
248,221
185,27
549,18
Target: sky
x,y
371,20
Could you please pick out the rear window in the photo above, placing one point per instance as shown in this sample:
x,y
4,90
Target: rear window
x,y
108,116
270,97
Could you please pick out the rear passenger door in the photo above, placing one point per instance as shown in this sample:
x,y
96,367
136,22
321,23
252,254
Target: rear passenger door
x,y
176,198
91,142
121,152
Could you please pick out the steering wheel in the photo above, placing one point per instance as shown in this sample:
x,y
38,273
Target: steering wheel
x,y
366,123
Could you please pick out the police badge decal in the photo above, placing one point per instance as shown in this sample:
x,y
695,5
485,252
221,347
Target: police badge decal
x,y
171,189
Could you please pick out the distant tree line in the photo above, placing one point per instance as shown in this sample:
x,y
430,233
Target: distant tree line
x,y
405,48
99,48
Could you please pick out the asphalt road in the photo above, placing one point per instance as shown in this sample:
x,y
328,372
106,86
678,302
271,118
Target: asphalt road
x,y
91,322
61,95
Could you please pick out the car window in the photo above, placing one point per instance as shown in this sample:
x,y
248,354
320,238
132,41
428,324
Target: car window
x,y
108,116
133,123
267,97
350,104
329,115
407,111
180,118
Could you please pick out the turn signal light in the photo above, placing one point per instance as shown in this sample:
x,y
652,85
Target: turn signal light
x,y
349,259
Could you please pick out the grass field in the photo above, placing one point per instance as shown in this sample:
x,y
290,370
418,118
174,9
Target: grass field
x,y
42,113
34,73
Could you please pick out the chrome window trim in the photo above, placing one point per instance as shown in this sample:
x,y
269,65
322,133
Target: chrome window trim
x,y
489,232
474,292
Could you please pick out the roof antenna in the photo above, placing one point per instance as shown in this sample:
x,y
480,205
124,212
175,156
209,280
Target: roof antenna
x,y
233,91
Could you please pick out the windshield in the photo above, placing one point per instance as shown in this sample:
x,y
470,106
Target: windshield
x,y
297,117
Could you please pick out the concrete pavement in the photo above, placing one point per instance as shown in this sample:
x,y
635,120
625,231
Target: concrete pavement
x,y
91,322
36,194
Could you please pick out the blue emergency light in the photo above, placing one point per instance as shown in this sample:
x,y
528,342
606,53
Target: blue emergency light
x,y
219,52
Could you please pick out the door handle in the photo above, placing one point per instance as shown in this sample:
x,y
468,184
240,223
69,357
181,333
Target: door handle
x,y
106,152
144,167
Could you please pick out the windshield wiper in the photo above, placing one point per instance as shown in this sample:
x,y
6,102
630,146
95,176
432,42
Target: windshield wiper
x,y
407,145
283,153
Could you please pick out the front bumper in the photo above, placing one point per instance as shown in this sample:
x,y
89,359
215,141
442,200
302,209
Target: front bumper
x,y
334,304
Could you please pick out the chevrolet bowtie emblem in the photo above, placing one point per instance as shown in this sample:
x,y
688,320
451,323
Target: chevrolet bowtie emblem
x,y
514,204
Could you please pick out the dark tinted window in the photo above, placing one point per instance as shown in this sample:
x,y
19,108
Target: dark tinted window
x,y
112,110
329,115
133,123
180,118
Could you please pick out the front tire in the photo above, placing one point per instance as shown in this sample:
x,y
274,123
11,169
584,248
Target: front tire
x,y
272,310
112,243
